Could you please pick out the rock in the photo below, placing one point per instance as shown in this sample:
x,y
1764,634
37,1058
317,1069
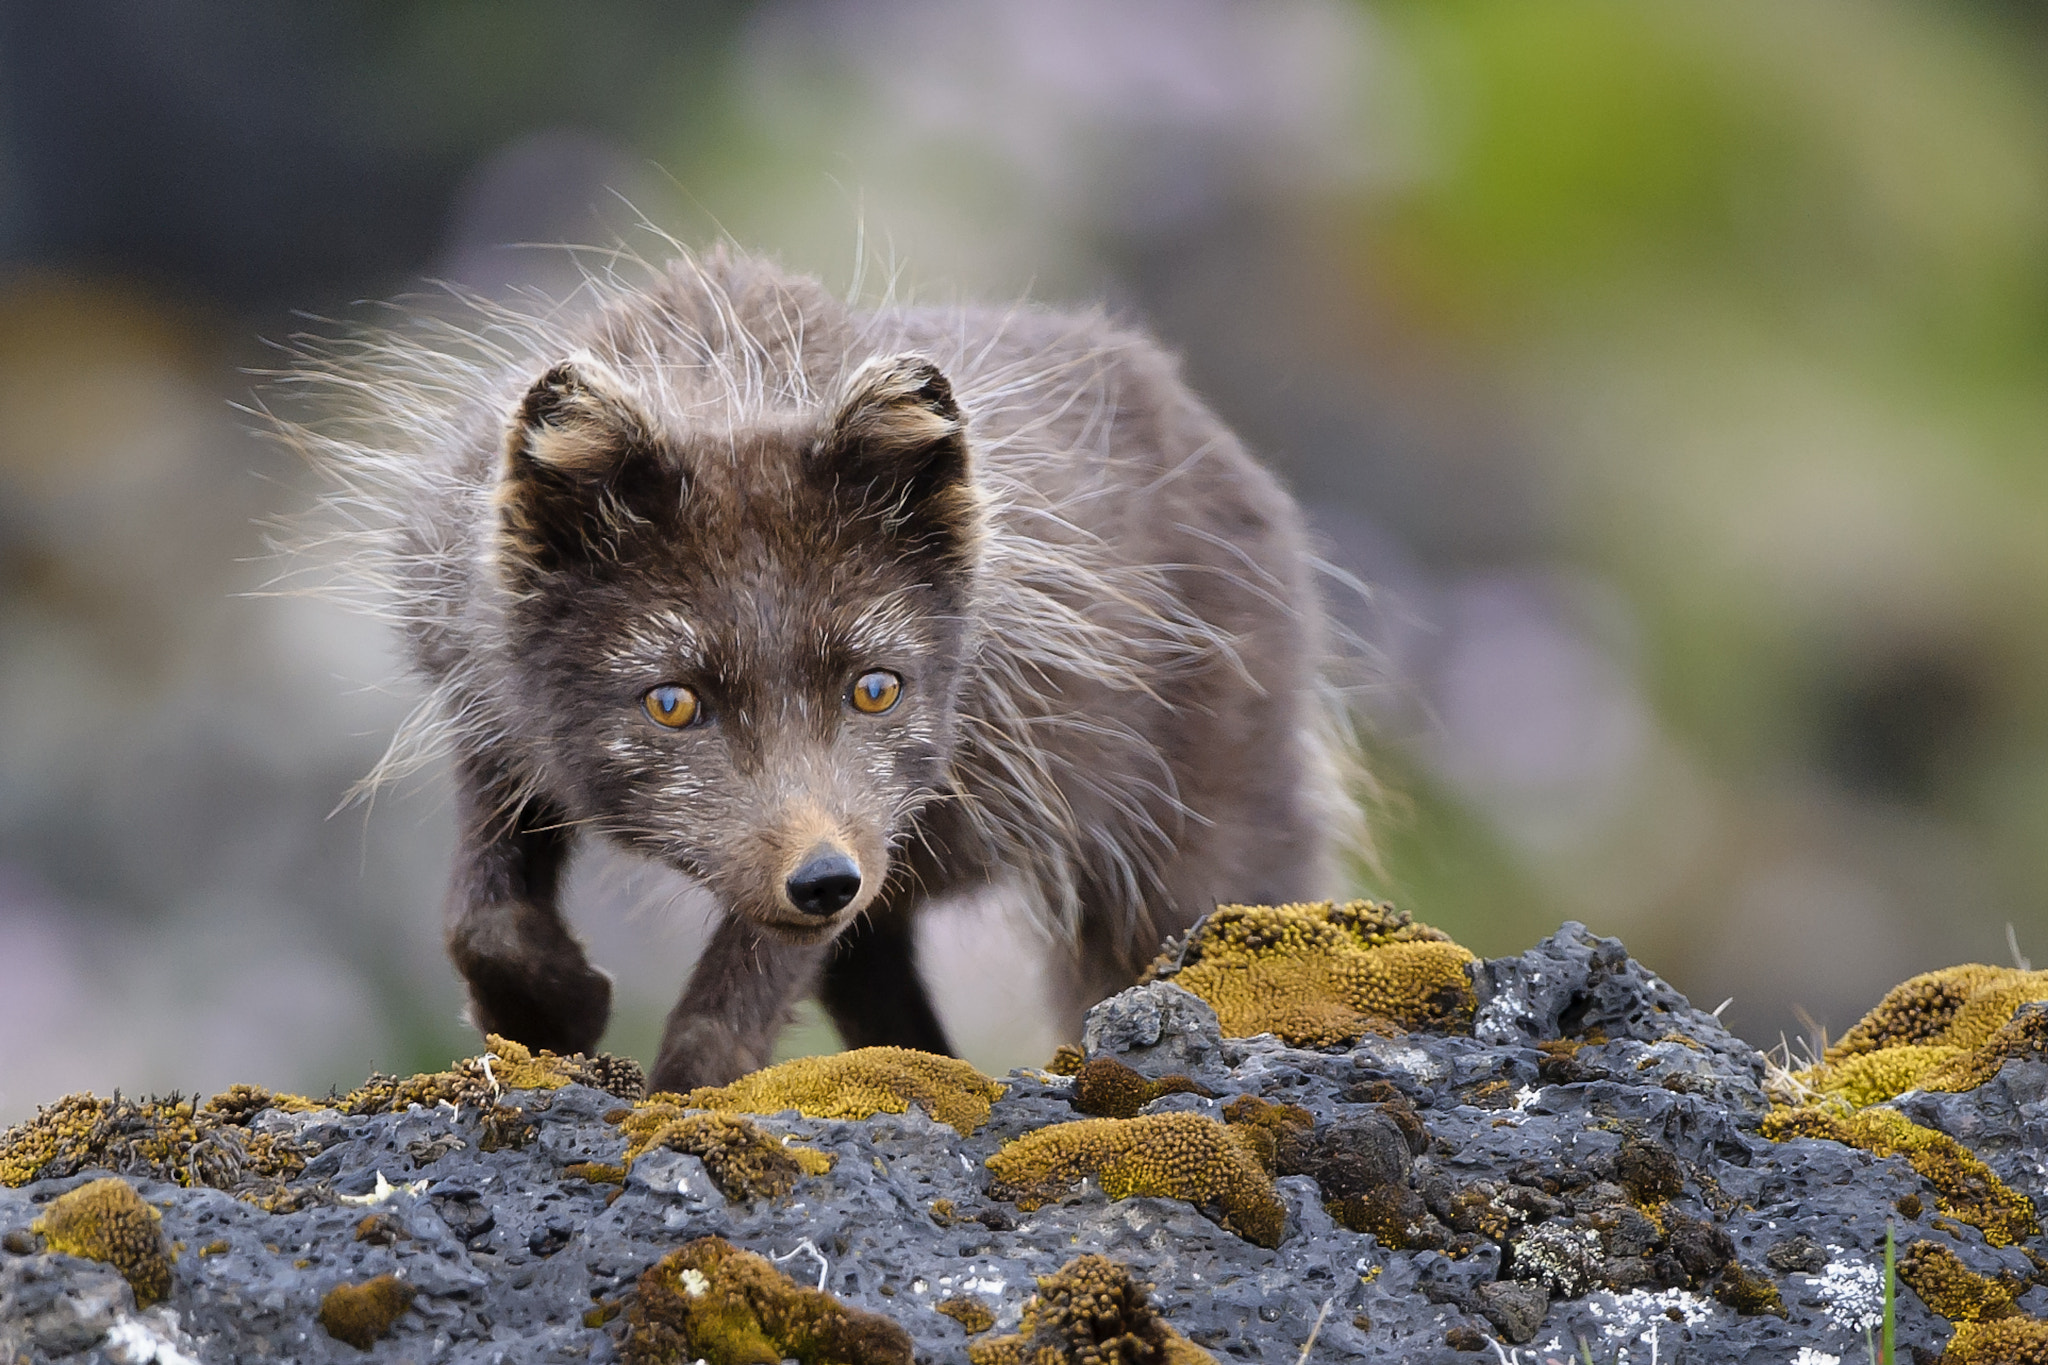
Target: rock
x,y
58,1305
1155,1029
1516,1310
1583,1160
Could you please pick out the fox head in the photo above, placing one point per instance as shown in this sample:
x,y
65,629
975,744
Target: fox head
x,y
738,646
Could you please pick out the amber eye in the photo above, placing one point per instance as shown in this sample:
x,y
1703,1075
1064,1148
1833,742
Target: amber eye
x,y
671,705
874,693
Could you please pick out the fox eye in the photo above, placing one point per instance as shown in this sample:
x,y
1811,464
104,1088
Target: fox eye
x,y
874,693
671,705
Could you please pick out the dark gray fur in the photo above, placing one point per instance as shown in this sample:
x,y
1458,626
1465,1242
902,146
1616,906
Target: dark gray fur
x,y
1102,609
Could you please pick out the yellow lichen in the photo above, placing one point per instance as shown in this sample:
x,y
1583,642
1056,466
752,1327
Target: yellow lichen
x,y
743,1161
106,1220
360,1313
1949,1030
1322,974
858,1085
1952,1289
1965,1188
2007,1341
1175,1156
709,1301
1090,1312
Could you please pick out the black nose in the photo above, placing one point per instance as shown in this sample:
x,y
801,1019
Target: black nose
x,y
826,882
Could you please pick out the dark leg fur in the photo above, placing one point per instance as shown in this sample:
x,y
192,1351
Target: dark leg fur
x,y
528,977
873,992
735,1003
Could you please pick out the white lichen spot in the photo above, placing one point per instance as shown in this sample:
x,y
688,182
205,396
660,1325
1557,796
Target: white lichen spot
x,y
1853,1293
919,1285
1523,1097
694,1283
1499,1019
1809,1356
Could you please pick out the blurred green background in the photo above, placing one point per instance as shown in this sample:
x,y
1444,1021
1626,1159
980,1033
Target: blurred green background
x,y
1676,376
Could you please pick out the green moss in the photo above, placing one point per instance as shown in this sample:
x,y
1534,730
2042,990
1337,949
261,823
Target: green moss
x,y
1323,974
361,1313
743,1161
709,1301
1964,1187
858,1085
1174,1156
1090,1312
106,1220
1108,1089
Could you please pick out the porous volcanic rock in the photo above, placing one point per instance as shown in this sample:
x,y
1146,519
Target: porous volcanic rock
x,y
1576,1155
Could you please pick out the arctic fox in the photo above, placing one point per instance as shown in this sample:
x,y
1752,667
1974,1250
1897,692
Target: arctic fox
x,y
838,611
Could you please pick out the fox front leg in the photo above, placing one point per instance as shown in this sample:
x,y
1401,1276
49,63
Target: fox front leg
x,y
529,979
737,1000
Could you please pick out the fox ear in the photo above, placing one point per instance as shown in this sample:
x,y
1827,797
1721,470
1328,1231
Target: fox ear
x,y
573,455
575,420
899,442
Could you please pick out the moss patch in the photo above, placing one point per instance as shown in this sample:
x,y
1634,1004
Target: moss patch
x,y
1067,1060
970,1312
1949,1030
360,1313
1108,1089
1175,1156
1965,1188
1323,974
503,1065
106,1220
1090,1312
743,1161
858,1085
173,1140
710,1301
1952,1289
2008,1341
188,1143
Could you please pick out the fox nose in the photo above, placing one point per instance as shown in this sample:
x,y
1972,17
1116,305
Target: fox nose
x,y
824,885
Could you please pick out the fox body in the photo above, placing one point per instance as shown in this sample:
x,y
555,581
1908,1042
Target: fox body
x,y
840,612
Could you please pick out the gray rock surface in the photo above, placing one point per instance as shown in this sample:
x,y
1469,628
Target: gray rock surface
x,y
1523,1185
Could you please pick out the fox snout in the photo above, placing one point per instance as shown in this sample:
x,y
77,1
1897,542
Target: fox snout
x,y
803,873
825,883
